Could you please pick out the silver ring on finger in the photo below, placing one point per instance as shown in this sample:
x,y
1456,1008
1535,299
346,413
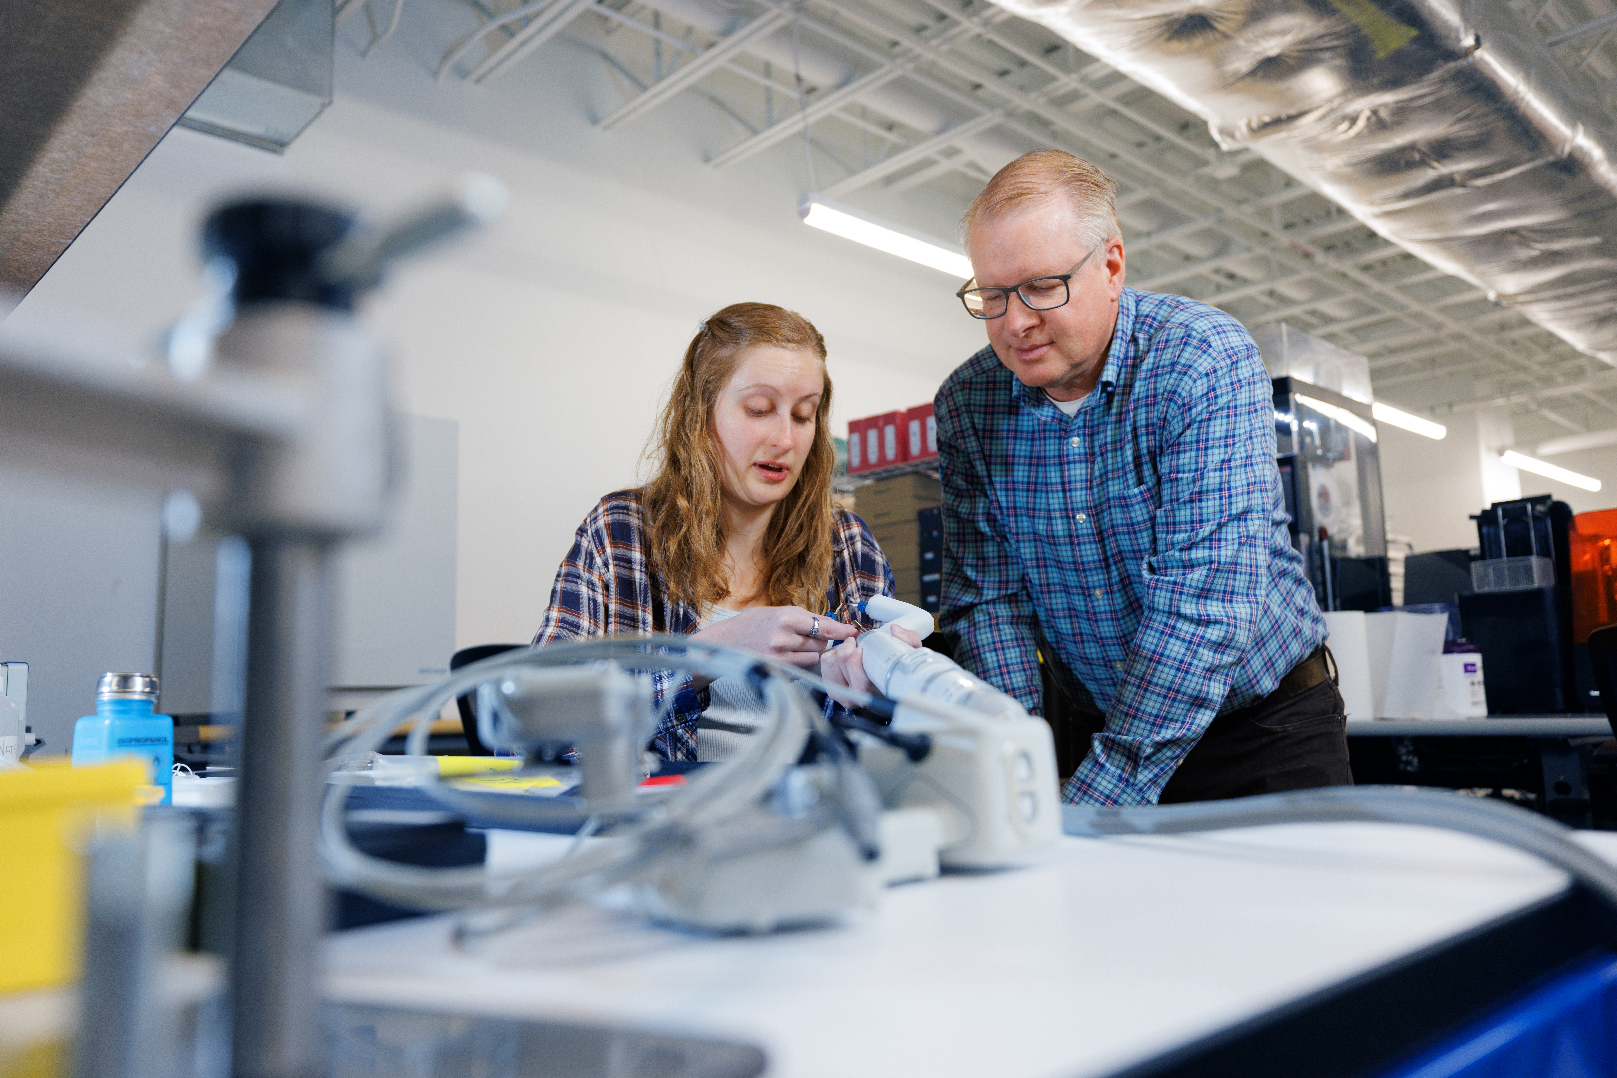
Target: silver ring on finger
x,y
814,627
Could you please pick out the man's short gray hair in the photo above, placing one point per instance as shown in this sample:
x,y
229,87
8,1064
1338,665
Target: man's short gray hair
x,y
1045,175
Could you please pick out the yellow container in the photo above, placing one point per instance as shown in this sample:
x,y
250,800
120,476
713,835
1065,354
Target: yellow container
x,y
46,814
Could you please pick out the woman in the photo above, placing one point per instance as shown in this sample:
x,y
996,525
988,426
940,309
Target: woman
x,y
735,540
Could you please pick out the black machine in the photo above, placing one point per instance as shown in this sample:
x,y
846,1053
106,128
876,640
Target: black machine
x,y
1330,471
1524,626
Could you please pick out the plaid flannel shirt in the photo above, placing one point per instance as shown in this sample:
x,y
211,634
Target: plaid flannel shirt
x,y
1141,543
603,588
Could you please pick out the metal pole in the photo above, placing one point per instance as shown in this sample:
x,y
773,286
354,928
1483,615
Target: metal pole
x,y
280,894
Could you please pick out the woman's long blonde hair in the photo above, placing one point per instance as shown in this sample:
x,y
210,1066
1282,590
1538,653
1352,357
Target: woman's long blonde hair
x,y
685,531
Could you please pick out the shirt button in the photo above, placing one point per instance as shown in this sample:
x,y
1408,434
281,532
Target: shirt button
x,y
1073,441
1097,593
1082,518
1118,667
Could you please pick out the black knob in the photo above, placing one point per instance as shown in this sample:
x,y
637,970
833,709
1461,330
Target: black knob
x,y
276,247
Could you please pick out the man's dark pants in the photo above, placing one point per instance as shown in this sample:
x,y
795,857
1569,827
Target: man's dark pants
x,y
1293,739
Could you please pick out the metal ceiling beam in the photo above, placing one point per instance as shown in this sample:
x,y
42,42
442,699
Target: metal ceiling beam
x,y
960,163
1361,284
689,73
1595,382
782,130
921,151
545,24
1574,443
87,88
1598,23
887,69
1560,420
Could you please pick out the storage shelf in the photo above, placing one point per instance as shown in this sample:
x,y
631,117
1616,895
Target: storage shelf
x,y
848,483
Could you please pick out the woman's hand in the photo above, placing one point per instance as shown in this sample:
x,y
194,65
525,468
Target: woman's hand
x,y
845,665
787,633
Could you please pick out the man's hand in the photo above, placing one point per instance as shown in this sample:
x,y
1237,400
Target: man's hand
x,y
845,665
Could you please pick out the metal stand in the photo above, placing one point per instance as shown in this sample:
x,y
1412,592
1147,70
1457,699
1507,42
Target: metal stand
x,y
280,894
286,438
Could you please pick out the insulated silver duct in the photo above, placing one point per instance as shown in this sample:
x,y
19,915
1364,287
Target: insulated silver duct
x,y
1445,125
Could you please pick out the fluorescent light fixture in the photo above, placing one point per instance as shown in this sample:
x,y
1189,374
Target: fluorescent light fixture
x,y
1386,413
1548,471
1341,415
895,241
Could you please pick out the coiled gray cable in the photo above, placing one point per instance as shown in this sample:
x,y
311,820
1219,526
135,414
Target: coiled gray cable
x,y
1496,821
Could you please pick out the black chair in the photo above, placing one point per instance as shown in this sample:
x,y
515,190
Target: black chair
x,y
1603,657
464,704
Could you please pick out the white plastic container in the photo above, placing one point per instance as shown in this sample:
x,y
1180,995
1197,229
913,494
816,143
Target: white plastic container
x,y
1461,692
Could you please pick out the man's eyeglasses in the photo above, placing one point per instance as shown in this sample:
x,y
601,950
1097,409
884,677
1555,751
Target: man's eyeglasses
x,y
1039,293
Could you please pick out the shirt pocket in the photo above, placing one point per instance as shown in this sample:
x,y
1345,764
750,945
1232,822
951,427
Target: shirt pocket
x,y
1131,526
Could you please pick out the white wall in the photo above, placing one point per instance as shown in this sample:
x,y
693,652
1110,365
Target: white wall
x,y
1431,488
78,589
1598,464
552,336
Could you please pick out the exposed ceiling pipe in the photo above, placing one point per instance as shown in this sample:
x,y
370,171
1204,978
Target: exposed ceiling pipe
x,y
87,88
1574,443
822,67
814,59
1447,126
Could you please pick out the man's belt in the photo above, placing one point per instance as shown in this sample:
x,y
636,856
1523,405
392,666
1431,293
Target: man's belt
x,y
1314,669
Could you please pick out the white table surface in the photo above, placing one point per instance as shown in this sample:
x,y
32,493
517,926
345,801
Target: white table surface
x,y
1113,952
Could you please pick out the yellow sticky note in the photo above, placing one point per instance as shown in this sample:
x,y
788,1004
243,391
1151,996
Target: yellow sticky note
x,y
449,766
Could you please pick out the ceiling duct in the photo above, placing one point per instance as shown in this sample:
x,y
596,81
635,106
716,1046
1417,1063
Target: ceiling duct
x,y
278,82
87,87
1445,125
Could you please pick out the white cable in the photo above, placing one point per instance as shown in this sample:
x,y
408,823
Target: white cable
x,y
672,825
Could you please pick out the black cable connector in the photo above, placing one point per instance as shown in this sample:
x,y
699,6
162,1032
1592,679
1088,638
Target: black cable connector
x,y
916,746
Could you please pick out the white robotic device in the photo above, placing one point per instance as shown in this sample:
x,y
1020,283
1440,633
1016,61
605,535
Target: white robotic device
x,y
961,777
988,782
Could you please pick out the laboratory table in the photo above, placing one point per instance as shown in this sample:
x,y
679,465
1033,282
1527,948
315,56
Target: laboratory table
x,y
1317,950
1551,757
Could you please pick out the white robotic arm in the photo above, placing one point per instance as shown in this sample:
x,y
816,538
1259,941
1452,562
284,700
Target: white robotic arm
x,y
989,779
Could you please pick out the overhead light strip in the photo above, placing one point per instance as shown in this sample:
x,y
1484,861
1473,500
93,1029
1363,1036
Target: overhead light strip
x,y
839,221
1386,413
1548,471
1341,415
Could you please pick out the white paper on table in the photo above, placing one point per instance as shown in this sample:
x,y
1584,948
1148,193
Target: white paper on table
x,y
1350,648
1406,655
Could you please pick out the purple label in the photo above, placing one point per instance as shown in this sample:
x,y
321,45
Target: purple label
x,y
1470,668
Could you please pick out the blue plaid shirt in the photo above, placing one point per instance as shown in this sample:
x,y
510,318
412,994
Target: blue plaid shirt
x,y
1142,542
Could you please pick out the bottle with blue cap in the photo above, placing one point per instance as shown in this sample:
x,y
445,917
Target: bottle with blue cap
x,y
125,724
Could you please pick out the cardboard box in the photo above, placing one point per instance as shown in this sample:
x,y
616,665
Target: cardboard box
x,y
920,432
898,499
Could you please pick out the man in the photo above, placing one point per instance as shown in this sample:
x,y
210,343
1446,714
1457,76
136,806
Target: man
x,y
1111,502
